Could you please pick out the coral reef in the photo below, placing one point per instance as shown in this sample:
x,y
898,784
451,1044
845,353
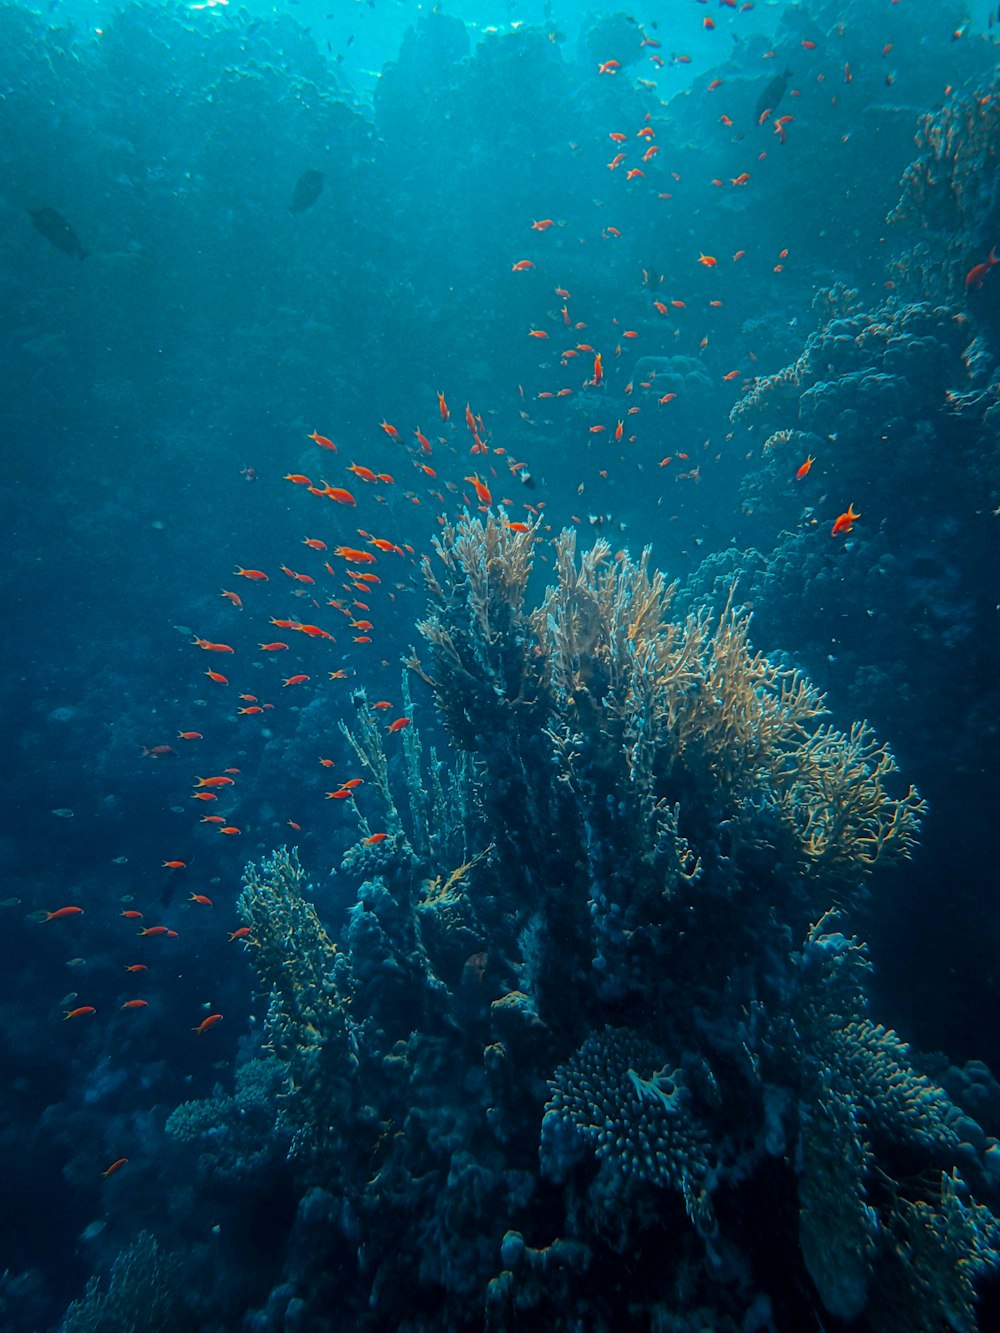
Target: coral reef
x,y
590,989
949,196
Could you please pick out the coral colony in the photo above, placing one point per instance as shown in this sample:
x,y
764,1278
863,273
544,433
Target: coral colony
x,y
599,989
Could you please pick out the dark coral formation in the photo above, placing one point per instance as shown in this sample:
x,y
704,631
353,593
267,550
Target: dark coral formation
x,y
590,991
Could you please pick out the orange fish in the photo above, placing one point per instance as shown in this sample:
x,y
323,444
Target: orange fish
x,y
272,647
135,1004
314,542
210,647
294,680
373,838
207,1024
220,781
424,442
174,865
115,1166
255,575
239,934
351,783
399,724
80,1012
201,898
442,406
975,277
130,914
804,470
522,265
844,522
190,736
709,261
732,374
391,431
338,494
543,225
482,490
155,930
323,442
136,967
363,473
61,912
231,830
233,597
356,557
297,479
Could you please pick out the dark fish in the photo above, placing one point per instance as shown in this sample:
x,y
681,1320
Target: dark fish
x,y
772,95
308,189
57,230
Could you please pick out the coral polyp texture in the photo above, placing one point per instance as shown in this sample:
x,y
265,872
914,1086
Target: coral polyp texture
x,y
596,995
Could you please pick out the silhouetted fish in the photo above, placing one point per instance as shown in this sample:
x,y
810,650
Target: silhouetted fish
x,y
772,95
308,189
57,230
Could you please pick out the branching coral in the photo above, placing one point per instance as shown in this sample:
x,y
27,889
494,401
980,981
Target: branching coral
x,y
308,1027
144,1294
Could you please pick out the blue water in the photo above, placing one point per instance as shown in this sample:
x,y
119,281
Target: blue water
x,y
228,229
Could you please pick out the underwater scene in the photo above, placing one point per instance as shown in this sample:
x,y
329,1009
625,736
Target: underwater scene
x,y
502,666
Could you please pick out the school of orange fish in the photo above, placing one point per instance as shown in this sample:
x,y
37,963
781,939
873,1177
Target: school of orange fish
x,y
347,575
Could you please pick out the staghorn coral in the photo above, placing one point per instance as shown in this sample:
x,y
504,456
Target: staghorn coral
x,y
575,1033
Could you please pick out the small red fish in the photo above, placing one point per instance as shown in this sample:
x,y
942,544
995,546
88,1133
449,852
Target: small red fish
x,y
804,469
174,865
254,575
190,736
207,1024
844,522
115,1166
210,647
240,934
373,838
80,1012
402,722
976,276
61,912
201,898
442,406
136,1004
323,442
